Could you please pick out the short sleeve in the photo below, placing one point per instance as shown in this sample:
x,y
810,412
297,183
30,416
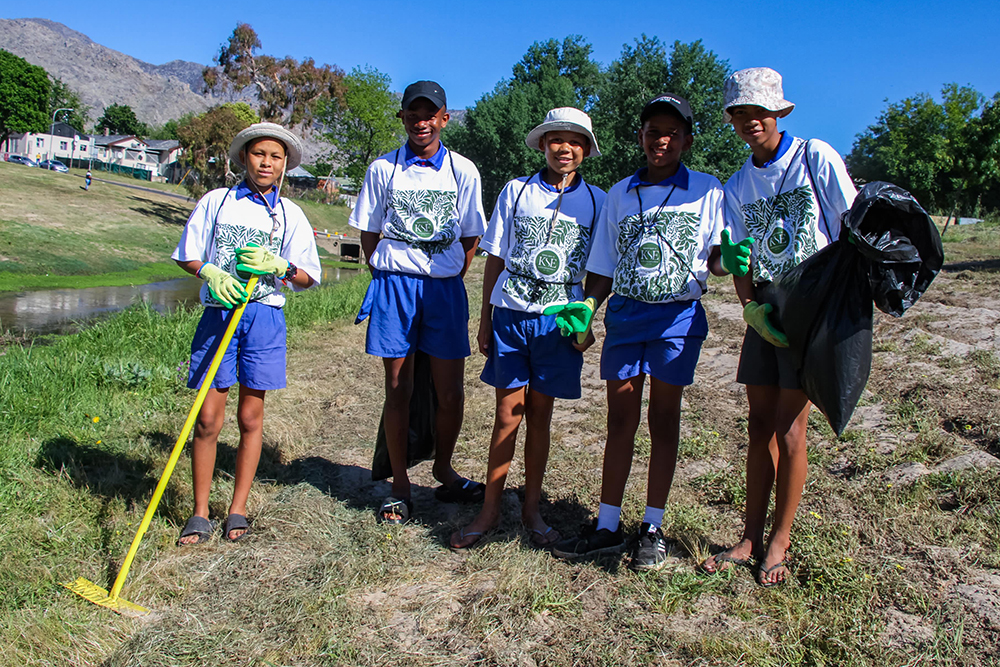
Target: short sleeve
x,y
716,215
496,239
604,252
732,211
471,218
837,191
369,208
195,242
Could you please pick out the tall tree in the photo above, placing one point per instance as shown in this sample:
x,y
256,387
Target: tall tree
x,y
62,97
286,90
362,124
24,95
980,165
120,119
206,139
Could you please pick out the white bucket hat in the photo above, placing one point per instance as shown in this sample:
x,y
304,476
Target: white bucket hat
x,y
293,147
568,119
756,86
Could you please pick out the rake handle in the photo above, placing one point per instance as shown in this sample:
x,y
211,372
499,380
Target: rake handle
x,y
161,486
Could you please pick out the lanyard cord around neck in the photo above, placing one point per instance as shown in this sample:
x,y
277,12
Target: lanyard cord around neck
x,y
655,228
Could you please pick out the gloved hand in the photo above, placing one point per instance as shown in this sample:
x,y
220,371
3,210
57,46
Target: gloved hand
x,y
574,317
735,256
756,315
254,259
226,289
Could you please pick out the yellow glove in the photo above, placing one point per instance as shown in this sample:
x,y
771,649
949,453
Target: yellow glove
x,y
226,289
254,259
756,315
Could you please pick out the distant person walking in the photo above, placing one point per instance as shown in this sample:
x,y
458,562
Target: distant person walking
x,y
86,180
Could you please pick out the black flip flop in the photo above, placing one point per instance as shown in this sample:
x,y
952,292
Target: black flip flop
x,y
461,491
401,508
197,525
235,522
761,571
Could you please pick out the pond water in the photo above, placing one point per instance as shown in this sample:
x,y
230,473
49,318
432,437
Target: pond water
x,y
61,311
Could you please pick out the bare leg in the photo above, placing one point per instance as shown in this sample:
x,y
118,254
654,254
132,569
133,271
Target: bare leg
x,y
449,385
250,415
762,460
624,412
536,458
791,423
510,410
206,436
664,414
398,389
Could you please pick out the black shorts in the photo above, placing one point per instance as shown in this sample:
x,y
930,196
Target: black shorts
x,y
762,363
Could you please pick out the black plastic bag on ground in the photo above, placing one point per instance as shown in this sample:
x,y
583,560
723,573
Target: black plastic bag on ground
x,y
824,304
422,433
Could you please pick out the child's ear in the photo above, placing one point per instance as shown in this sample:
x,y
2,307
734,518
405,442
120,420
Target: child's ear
x,y
688,142
399,114
445,117
541,143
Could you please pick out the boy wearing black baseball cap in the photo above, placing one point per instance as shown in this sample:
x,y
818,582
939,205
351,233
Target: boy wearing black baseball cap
x,y
420,213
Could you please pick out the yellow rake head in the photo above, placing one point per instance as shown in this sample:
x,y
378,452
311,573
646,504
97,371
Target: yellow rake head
x,y
100,596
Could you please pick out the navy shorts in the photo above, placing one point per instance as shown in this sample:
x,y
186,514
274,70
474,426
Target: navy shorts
x,y
527,349
255,356
409,312
662,340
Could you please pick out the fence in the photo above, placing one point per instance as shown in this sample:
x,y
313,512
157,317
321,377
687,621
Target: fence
x,y
97,165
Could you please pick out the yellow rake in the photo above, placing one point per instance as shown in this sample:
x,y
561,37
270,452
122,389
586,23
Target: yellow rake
x,y
92,591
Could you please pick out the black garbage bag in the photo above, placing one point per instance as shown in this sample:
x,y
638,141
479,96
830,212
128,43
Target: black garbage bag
x,y
423,408
889,252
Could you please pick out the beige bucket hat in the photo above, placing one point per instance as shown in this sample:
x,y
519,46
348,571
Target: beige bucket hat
x,y
568,119
293,146
756,86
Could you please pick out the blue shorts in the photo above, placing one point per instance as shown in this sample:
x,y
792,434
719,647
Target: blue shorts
x,y
410,312
527,349
256,353
662,340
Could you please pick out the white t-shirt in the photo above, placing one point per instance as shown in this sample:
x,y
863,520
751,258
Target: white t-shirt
x,y
544,259
662,255
422,212
220,223
778,207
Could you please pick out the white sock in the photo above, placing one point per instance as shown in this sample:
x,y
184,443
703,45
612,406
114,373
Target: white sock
x,y
608,517
653,516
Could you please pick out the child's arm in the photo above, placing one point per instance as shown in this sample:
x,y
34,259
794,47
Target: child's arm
x,y
494,267
369,241
715,262
469,248
744,289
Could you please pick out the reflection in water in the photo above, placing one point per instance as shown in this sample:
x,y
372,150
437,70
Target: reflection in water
x,y
63,310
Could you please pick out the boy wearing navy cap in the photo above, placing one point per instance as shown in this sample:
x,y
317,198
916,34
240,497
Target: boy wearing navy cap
x,y
420,213
655,243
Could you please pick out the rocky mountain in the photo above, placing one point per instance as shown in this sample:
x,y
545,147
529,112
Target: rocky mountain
x,y
103,76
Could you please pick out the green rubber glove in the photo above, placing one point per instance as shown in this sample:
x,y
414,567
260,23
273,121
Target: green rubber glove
x,y
574,317
756,315
254,259
226,289
735,256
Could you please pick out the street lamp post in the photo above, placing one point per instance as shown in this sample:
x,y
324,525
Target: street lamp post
x,y
52,130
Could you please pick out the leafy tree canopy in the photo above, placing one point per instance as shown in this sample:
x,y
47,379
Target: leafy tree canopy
x,y
205,140
62,97
120,119
24,96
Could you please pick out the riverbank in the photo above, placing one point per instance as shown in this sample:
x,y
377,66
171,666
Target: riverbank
x,y
895,547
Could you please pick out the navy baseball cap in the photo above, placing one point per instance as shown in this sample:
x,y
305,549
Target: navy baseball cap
x,y
429,89
668,101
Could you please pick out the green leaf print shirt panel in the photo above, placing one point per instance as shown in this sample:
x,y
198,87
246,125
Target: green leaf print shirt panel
x,y
784,228
543,272
230,237
648,269
425,219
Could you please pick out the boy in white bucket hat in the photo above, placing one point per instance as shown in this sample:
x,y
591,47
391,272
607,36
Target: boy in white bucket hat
x,y
782,206
537,242
232,233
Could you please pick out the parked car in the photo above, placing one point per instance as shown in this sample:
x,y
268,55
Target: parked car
x,y
54,165
21,159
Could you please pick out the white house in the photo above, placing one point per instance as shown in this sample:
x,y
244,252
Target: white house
x,y
65,143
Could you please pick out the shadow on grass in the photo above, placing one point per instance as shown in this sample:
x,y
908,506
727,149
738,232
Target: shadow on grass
x,y
989,265
171,214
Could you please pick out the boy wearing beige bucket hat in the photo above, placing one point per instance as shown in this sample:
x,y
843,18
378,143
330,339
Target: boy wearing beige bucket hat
x,y
782,206
232,233
537,244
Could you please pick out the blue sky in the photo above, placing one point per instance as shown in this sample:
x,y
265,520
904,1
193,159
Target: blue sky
x,y
840,61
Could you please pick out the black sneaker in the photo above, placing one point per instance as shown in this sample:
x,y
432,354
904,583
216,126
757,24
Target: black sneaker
x,y
590,542
651,550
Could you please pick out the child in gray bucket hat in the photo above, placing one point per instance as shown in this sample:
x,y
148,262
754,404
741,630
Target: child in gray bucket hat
x,y
782,206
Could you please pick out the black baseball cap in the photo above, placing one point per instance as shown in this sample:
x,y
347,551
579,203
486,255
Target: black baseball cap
x,y
429,89
671,102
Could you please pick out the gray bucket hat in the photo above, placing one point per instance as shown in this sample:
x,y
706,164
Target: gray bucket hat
x,y
755,86
567,119
293,147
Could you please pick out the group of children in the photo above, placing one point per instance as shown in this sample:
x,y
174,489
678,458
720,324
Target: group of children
x,y
557,248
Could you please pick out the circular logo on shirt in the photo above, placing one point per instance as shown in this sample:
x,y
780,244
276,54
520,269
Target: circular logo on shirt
x,y
650,255
778,241
547,262
423,228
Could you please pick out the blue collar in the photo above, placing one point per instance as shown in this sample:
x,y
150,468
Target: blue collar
x,y
680,179
436,161
783,146
243,190
551,188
